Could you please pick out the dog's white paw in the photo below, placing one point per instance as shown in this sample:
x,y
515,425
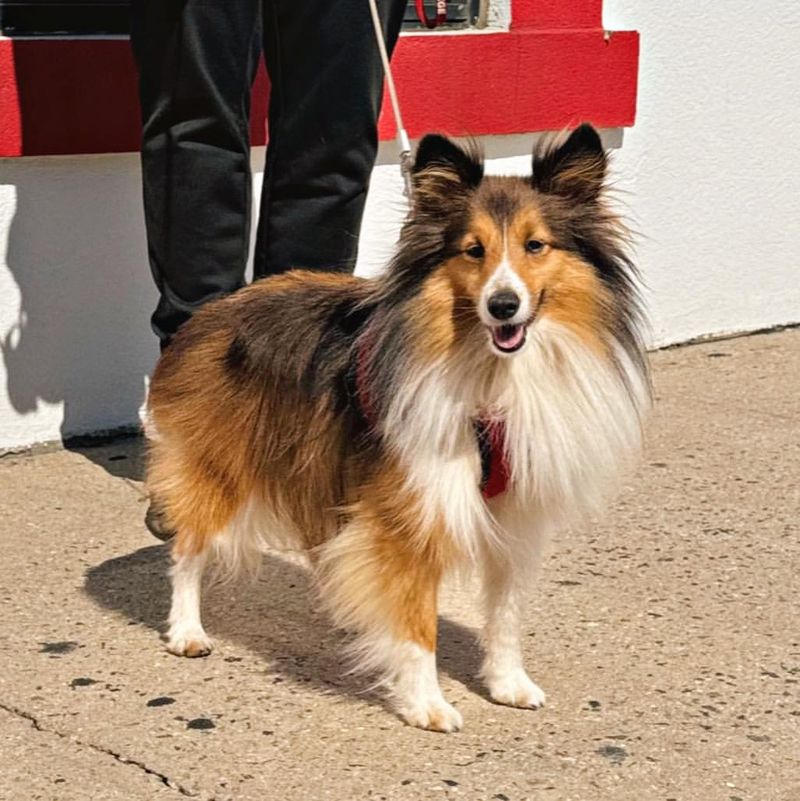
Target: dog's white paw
x,y
435,715
516,689
189,642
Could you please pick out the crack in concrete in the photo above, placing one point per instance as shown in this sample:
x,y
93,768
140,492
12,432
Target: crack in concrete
x,y
33,720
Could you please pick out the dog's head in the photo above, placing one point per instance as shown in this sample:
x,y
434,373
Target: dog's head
x,y
497,255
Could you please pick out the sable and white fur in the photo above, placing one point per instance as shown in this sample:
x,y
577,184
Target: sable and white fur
x,y
335,415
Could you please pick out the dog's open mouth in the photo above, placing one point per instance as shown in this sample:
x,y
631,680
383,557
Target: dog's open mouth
x,y
509,338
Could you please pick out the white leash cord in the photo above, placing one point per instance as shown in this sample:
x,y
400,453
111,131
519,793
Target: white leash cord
x,y
403,141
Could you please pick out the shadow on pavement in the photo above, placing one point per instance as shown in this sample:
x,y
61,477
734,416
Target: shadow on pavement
x,y
121,455
274,617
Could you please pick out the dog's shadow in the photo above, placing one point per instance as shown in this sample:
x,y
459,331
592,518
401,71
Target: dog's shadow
x,y
274,617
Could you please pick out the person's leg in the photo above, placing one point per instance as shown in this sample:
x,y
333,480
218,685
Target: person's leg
x,y
327,84
196,63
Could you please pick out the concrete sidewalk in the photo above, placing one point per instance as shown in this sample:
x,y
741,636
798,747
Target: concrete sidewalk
x,y
666,637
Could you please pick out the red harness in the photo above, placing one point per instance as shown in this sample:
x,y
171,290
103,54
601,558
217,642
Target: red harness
x,y
496,473
490,433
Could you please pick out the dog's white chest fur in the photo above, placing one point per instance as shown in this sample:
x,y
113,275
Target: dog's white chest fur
x,y
572,422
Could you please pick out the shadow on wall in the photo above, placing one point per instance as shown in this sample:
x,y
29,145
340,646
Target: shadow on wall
x,y
79,334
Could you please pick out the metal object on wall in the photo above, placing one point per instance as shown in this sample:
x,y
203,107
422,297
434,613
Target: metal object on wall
x,y
460,14
107,17
59,17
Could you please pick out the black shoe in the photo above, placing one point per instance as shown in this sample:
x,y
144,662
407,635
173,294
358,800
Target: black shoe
x,y
157,525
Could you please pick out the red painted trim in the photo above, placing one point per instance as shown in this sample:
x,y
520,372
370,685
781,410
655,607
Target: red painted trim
x,y
74,96
60,96
516,82
10,123
552,14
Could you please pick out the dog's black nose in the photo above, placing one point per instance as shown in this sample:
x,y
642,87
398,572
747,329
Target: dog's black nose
x,y
503,305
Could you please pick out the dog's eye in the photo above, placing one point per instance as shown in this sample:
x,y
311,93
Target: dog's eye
x,y
534,246
475,251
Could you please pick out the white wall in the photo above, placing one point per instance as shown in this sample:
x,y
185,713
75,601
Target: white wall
x,y
75,297
711,170
709,175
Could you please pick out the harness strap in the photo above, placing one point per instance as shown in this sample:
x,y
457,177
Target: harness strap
x,y
490,433
495,470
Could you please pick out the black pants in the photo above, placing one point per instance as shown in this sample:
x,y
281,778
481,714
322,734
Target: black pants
x,y
196,61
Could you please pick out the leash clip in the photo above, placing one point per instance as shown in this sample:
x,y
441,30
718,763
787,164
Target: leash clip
x,y
406,163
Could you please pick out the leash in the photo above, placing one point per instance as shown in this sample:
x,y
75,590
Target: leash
x,y
490,435
403,142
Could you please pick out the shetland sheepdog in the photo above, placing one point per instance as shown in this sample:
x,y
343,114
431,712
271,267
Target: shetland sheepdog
x,y
487,388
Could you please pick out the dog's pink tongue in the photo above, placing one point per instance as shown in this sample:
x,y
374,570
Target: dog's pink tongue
x,y
508,336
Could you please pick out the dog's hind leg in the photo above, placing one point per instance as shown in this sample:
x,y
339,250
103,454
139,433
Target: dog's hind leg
x,y
383,586
186,636
198,502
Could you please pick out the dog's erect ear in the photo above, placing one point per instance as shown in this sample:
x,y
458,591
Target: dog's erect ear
x,y
575,168
441,166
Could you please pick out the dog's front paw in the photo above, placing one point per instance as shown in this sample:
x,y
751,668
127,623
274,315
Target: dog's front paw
x,y
515,689
189,642
435,715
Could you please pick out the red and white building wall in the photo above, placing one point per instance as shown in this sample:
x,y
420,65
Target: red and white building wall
x,y
701,114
